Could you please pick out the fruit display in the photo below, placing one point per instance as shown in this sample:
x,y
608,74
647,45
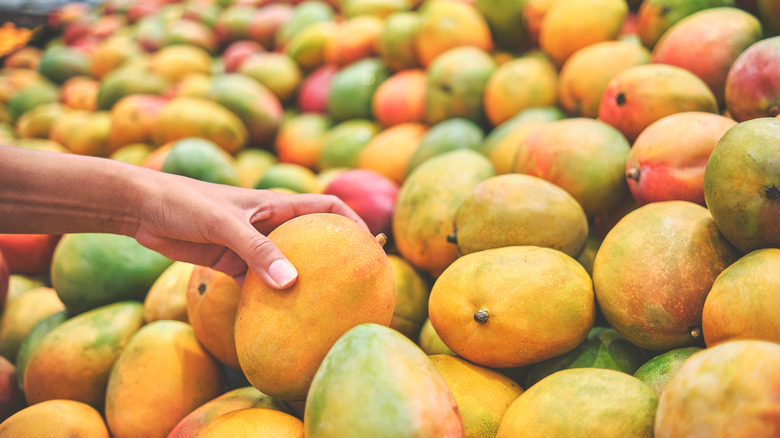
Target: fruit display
x,y
572,213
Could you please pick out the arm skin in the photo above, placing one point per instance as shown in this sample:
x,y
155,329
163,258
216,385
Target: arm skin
x,y
184,219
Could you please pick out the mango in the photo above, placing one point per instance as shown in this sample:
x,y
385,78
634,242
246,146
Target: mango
x,y
307,47
726,389
540,306
212,300
500,143
183,117
445,136
668,159
175,62
133,119
355,39
400,391
73,361
55,419
654,17
654,297
161,376
505,19
258,108
61,62
33,338
723,33
520,83
254,421
412,289
481,394
282,336
91,270
740,303
289,176
400,98
751,92
440,184
642,94
239,398
167,297
278,72
585,74
201,159
570,25
343,143
127,81
37,122
352,89
583,401
443,26
517,209
456,84
741,185
21,313
11,397
657,371
602,348
303,15
389,151
395,42
585,157
299,139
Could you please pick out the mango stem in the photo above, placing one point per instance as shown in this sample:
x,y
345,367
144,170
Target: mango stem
x,y
482,315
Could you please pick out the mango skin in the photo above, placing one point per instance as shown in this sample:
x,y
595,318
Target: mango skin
x,y
73,361
440,184
667,160
162,375
517,209
344,279
723,33
642,94
239,398
55,419
742,184
742,300
752,90
657,371
730,389
376,382
654,296
541,305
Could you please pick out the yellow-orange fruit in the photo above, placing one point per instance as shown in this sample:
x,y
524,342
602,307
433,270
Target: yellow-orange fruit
x,y
344,279
512,306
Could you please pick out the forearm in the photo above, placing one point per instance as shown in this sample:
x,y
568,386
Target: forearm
x,y
50,193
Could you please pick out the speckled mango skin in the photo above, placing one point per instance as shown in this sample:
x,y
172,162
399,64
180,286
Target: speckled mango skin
x,y
375,382
654,269
742,184
74,360
344,279
729,390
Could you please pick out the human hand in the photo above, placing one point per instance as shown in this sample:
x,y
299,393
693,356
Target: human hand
x,y
225,227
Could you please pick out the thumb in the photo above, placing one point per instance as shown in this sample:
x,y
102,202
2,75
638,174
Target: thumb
x,y
266,260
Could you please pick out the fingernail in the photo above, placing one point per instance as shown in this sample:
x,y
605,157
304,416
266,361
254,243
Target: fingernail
x,y
282,272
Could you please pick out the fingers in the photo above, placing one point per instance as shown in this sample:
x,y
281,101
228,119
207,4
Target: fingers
x,y
264,258
316,203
